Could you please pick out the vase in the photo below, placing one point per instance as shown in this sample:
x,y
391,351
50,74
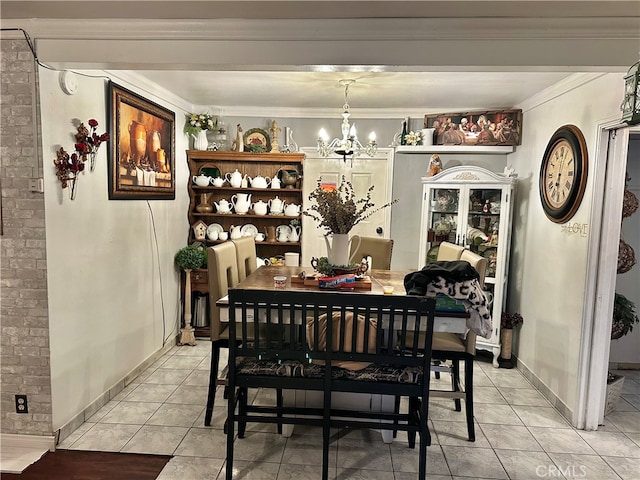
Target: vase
x,y
72,180
506,339
338,250
200,141
204,206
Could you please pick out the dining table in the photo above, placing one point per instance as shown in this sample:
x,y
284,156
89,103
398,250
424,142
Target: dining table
x,y
376,283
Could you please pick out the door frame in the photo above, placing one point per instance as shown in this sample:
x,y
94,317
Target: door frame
x,y
612,144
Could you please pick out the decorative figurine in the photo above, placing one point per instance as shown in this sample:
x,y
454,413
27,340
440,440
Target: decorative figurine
x,y
274,131
238,143
435,165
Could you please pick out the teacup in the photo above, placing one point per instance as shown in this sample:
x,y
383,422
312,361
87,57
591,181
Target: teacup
x,y
223,236
212,235
260,237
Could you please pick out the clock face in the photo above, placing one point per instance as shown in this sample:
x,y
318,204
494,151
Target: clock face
x,y
563,174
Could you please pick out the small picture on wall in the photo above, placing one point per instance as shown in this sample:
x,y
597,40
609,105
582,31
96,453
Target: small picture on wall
x,y
498,127
142,148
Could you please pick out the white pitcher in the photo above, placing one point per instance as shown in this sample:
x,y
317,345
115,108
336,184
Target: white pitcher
x,y
241,202
294,236
234,179
338,249
235,232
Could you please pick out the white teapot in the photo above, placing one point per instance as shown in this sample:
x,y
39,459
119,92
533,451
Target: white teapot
x,y
235,178
241,202
260,208
275,182
202,180
292,210
260,182
294,236
276,205
223,207
235,232
218,181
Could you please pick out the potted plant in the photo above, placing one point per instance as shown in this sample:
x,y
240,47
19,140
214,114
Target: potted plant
x,y
624,317
196,125
189,258
508,321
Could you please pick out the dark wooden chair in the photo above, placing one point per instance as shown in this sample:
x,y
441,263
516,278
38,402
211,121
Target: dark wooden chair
x,y
367,356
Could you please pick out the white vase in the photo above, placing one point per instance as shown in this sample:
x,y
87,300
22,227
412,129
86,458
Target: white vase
x,y
338,251
200,141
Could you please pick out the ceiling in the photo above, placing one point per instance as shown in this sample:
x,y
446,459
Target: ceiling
x,y
290,55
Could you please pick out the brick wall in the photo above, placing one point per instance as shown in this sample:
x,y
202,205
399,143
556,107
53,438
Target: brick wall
x,y
24,355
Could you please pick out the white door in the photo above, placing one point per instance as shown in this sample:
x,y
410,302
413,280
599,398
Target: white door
x,y
366,171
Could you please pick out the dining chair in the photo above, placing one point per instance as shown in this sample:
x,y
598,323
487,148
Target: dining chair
x,y
379,249
245,256
451,347
222,268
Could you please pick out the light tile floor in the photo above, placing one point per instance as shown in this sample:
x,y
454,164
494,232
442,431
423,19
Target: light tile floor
x,y
519,435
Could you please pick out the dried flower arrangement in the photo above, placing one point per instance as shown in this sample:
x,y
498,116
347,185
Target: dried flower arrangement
x,y
510,320
337,210
68,166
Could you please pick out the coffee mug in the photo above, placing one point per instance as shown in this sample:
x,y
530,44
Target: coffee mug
x,y
292,259
223,236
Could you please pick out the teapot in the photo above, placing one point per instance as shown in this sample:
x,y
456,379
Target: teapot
x,y
241,202
218,181
294,236
260,182
202,180
276,205
283,236
223,207
275,182
235,178
292,210
259,208
235,232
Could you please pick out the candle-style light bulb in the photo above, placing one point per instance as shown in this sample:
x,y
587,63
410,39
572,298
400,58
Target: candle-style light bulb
x,y
322,134
352,131
372,137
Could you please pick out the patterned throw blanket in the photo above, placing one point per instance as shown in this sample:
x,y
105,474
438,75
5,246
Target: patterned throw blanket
x,y
456,279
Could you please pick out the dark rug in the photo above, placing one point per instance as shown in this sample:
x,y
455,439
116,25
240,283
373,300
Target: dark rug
x,y
82,465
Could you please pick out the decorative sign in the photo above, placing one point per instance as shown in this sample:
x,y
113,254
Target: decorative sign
x,y
580,229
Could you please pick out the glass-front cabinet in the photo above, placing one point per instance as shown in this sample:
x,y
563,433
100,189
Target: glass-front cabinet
x,y
472,207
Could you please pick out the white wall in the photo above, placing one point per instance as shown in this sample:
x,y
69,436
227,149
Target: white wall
x,y
548,267
105,277
627,348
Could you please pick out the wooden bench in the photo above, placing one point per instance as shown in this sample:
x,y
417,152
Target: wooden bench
x,y
365,358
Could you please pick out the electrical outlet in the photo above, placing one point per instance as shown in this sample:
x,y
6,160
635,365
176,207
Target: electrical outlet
x,y
36,185
21,404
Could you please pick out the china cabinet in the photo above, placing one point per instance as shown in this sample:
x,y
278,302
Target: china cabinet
x,y
233,194
472,207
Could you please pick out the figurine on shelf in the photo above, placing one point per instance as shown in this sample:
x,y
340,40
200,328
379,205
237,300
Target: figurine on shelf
x,y
435,165
274,131
238,143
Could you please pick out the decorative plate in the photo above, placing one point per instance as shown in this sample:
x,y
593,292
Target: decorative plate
x,y
255,138
249,230
212,172
214,227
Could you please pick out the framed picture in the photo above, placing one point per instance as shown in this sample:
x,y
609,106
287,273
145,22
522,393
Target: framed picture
x,y
498,127
142,148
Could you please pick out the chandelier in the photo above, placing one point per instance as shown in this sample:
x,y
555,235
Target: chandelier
x,y
349,143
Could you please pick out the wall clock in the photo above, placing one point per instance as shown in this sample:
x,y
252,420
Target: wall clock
x,y
563,173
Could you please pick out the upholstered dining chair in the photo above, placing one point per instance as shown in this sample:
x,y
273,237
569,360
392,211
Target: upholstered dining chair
x,y
222,268
379,249
451,347
245,256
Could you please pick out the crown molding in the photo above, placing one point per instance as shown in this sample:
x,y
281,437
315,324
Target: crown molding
x,y
132,79
558,89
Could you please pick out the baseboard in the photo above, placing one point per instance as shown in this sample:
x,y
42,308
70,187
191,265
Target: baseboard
x,y
546,392
68,428
624,366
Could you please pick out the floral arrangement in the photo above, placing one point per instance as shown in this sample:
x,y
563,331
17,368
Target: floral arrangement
x,y
413,138
510,320
196,122
337,210
68,166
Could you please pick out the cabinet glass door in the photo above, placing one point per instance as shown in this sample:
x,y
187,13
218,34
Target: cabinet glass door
x,y
444,215
483,229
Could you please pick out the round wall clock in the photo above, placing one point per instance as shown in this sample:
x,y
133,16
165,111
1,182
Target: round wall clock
x,y
563,173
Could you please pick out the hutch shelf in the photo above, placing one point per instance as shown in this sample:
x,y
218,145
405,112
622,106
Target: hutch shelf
x,y
250,166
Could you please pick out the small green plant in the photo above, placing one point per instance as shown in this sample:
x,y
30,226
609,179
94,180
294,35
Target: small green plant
x,y
624,316
191,257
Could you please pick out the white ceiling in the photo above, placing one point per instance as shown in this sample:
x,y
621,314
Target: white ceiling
x,y
404,55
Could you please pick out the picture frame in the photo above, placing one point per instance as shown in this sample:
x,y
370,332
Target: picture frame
x,y
142,147
481,128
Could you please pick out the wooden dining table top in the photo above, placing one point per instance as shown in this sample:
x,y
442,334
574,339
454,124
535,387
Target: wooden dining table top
x,y
262,279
